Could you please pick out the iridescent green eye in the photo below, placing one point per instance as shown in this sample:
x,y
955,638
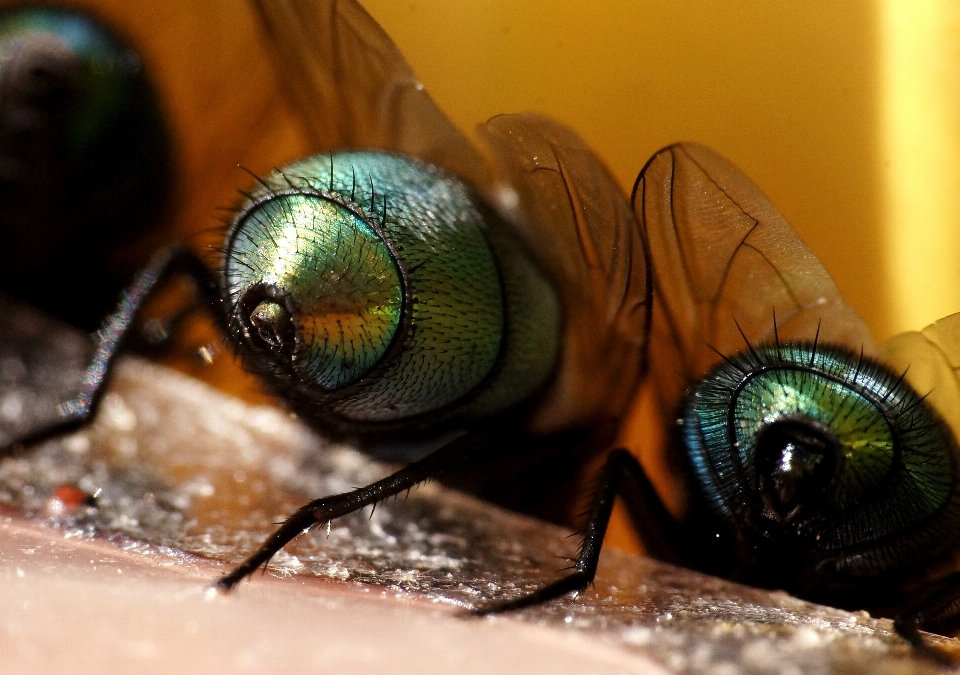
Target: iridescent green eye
x,y
373,288
822,457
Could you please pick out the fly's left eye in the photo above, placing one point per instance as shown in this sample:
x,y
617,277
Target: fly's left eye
x,y
824,459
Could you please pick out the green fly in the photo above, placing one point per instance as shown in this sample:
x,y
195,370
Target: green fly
x,y
85,161
505,307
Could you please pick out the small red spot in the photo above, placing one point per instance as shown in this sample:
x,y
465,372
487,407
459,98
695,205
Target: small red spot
x,y
65,501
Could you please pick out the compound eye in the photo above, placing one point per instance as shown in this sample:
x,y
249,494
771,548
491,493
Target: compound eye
x,y
796,466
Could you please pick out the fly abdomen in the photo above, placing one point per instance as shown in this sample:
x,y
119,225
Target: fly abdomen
x,y
402,296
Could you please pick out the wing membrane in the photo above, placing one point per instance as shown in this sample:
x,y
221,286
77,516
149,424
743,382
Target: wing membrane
x,y
355,90
931,360
577,222
724,263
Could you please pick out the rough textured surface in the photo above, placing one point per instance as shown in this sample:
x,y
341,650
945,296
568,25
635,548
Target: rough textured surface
x,y
179,467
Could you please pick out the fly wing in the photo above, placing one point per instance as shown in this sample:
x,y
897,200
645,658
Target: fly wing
x,y
724,264
354,89
931,360
577,223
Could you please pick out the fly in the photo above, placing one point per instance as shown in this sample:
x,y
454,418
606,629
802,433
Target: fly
x,y
85,161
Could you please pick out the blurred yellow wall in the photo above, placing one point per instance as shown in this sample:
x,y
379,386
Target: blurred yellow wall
x,y
919,141
845,113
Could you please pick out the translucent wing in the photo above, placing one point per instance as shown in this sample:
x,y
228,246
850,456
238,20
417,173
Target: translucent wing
x,y
931,360
354,89
723,261
578,224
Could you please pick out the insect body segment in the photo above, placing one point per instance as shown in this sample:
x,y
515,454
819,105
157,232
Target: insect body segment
x,y
334,268
379,289
85,160
827,462
823,472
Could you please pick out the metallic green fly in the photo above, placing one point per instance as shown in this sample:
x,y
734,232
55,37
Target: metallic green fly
x,y
86,164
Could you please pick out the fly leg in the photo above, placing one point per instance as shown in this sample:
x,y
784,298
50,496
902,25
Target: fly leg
x,y
940,608
621,475
325,509
110,338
